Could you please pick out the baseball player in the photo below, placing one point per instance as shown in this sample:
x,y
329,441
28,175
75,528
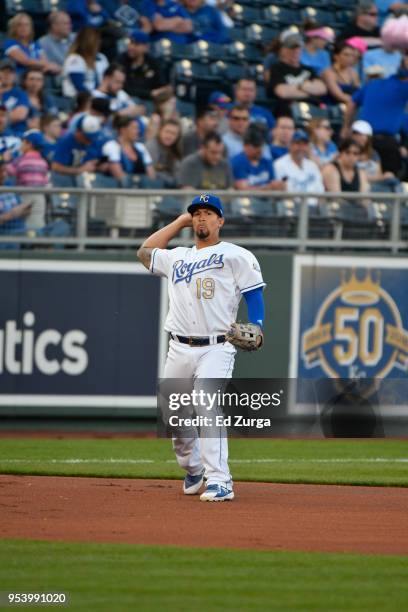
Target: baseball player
x,y
205,284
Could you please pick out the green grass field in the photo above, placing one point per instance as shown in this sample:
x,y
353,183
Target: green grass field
x,y
122,577
114,577
370,462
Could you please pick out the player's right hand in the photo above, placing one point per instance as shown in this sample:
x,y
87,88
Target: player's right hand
x,y
186,219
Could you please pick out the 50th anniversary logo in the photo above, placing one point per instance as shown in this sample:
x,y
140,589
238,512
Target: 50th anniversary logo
x,y
349,318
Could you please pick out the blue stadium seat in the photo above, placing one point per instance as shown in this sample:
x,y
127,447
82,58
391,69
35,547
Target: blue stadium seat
x,y
239,51
247,14
343,17
257,72
204,51
237,32
280,16
229,71
303,112
55,5
318,15
34,7
169,51
260,35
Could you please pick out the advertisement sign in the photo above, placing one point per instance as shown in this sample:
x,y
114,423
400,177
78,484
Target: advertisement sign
x,y
76,333
349,317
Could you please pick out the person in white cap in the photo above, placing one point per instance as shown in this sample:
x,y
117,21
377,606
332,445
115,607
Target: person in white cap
x,y
369,160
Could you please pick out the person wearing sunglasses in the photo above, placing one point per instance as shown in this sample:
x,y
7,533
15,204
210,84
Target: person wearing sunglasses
x,y
322,148
364,24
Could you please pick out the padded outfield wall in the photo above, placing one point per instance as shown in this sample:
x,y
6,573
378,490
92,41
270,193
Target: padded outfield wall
x,y
82,334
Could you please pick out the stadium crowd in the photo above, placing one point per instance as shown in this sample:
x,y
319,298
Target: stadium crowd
x,y
97,100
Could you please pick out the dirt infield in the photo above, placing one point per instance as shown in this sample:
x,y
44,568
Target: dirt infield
x,y
263,516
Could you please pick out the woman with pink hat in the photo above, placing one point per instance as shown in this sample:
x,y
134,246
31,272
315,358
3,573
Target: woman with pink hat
x,y
314,54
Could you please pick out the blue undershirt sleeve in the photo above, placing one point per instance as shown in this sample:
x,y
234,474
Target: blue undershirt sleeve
x,y
255,305
78,80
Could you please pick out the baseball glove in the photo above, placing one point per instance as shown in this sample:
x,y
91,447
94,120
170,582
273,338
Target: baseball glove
x,y
246,336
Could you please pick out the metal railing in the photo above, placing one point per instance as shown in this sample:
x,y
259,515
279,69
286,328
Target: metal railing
x,y
127,216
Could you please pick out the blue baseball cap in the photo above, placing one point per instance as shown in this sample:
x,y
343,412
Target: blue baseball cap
x,y
139,36
34,137
300,136
206,200
219,98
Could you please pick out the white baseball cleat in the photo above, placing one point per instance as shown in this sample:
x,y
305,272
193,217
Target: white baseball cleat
x,y
192,484
216,492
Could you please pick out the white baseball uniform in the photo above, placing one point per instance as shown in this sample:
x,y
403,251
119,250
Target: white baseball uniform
x,y
205,287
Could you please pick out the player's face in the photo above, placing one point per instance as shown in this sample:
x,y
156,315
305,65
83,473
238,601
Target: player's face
x,y
206,223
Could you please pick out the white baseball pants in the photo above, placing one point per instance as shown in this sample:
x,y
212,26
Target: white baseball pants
x,y
195,363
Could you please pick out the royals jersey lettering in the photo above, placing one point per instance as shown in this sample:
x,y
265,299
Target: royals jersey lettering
x,y
205,286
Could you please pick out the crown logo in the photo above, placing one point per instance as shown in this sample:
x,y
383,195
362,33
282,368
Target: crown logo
x,y
356,292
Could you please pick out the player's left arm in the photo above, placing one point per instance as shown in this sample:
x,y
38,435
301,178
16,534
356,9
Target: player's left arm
x,y
255,306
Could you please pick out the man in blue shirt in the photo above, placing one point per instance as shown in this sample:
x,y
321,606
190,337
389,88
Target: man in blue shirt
x,y
71,150
166,19
250,169
207,22
382,104
245,94
13,98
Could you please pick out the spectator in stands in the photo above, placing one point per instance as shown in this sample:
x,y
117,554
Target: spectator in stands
x,y
250,169
206,123
134,160
207,169
164,107
33,83
31,170
9,144
84,65
221,104
144,74
388,59
364,25
12,211
341,78
281,136
390,7
87,13
207,22
369,160
382,104
51,129
289,81
343,174
92,14
166,19
57,42
111,89
301,173
97,107
165,150
125,12
71,149
322,148
20,48
238,122
245,95
314,54
13,98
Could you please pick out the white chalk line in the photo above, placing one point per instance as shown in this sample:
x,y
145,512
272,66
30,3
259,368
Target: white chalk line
x,y
78,461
